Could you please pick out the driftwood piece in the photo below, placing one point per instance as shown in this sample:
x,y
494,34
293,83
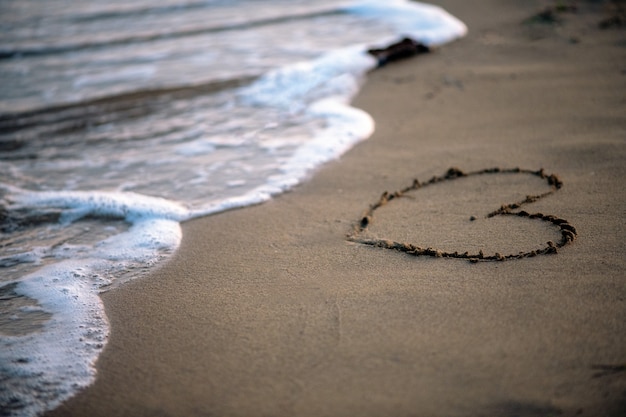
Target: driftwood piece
x,y
406,48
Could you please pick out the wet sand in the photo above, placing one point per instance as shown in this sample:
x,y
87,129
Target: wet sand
x,y
277,310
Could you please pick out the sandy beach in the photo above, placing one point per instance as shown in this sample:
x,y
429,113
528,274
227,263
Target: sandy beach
x,y
272,311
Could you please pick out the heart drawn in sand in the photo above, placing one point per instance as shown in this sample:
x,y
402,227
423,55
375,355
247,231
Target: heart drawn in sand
x,y
566,233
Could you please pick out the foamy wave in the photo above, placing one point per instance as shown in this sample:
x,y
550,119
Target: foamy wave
x,y
78,204
426,23
44,367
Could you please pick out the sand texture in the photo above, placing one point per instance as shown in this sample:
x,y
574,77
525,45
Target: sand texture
x,y
283,309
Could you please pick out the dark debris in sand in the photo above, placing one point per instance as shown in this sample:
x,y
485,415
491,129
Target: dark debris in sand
x,y
607,370
616,15
554,14
406,48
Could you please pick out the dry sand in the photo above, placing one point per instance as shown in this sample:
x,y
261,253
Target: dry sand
x,y
271,311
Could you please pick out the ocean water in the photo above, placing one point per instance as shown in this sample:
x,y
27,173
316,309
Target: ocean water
x,y
121,119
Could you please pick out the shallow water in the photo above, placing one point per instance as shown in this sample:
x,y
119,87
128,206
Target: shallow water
x,y
119,120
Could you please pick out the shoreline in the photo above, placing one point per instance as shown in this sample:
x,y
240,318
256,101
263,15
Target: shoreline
x,y
270,310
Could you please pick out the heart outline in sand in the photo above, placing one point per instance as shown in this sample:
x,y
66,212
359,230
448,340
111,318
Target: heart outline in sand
x,y
568,232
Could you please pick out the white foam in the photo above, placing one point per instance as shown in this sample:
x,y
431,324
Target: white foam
x,y
293,88
48,366
42,369
425,23
78,204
